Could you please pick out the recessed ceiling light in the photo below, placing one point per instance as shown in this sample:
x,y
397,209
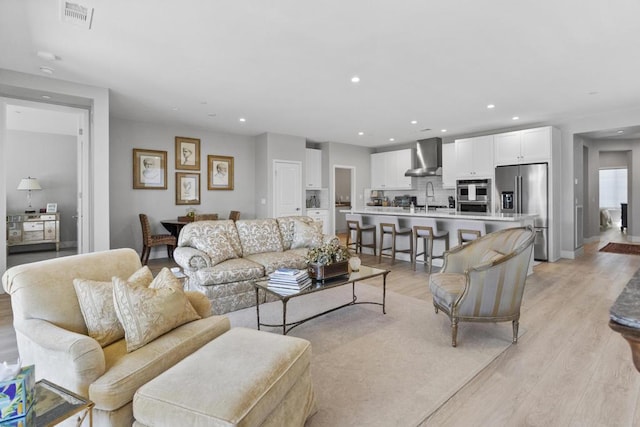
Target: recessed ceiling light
x,y
443,130
48,56
46,97
360,133
592,93
174,108
490,106
46,70
515,118
242,119
355,79
203,102
414,122
620,131
392,139
211,114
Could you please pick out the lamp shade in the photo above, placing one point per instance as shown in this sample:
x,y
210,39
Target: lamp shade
x,y
29,184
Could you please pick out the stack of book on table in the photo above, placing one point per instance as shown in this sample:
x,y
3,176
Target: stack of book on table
x,y
289,280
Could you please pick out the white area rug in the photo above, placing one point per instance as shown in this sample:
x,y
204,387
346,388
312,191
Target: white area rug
x,y
383,370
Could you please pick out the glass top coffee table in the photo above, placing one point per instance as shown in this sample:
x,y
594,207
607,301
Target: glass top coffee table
x,y
352,278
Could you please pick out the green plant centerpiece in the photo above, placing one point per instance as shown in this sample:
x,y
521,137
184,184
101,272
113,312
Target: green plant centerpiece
x,y
327,261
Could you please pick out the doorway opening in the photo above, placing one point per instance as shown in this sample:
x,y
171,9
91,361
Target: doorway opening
x,y
48,142
343,196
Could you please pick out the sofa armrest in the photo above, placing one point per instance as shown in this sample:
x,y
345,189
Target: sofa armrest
x,y
191,259
67,358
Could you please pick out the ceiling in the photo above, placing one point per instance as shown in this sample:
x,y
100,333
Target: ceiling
x,y
285,66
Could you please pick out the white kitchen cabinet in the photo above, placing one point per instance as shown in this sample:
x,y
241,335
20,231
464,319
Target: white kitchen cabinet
x,y
449,170
523,146
388,168
474,157
313,166
321,215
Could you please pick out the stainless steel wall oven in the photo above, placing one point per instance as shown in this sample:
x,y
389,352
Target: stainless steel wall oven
x,y
473,195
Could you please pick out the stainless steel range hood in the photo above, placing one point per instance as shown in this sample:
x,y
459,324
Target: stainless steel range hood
x,y
428,158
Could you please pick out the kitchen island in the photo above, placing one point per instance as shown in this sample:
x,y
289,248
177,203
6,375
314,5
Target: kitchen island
x,y
446,219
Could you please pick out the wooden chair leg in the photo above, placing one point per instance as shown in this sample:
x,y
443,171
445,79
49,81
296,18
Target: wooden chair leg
x,y
146,251
454,332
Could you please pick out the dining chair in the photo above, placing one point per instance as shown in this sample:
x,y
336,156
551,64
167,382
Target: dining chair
x,y
205,217
234,215
150,240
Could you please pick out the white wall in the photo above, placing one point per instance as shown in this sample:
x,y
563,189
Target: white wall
x,y
127,203
52,159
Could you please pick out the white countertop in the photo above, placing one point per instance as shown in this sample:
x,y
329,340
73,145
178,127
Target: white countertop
x,y
442,213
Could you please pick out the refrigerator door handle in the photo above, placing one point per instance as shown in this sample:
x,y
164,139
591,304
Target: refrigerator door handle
x,y
516,196
520,194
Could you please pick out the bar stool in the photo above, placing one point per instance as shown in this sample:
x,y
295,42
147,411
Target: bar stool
x,y
390,226
428,232
354,224
470,230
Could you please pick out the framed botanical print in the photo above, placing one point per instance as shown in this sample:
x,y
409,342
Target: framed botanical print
x,y
187,153
219,172
187,188
149,169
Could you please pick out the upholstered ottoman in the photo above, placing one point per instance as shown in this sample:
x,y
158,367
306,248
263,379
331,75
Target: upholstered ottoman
x,y
242,378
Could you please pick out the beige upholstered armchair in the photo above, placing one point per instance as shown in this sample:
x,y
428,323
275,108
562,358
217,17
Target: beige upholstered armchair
x,y
484,280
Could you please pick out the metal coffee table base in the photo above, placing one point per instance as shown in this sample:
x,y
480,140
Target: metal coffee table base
x,y
286,327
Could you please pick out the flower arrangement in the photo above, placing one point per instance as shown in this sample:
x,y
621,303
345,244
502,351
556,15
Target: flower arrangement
x,y
327,254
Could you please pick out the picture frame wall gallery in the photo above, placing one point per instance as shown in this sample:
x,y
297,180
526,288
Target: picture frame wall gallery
x,y
150,170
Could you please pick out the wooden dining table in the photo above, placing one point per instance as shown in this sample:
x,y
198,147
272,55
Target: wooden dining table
x,y
174,226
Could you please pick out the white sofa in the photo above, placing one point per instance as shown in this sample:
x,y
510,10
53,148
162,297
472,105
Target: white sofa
x,y
52,334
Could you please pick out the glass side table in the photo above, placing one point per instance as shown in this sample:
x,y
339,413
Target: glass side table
x,y
55,404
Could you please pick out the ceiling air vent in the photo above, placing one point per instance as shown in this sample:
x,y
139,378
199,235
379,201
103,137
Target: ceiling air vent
x,y
76,14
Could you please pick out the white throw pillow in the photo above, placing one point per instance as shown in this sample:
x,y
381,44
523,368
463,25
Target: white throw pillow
x,y
306,235
149,312
97,307
216,244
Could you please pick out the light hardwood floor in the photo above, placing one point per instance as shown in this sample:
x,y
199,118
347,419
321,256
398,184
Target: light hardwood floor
x,y
568,368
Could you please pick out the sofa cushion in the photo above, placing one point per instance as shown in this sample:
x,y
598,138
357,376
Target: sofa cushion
x,y
306,235
446,287
274,260
259,235
195,229
127,372
147,313
215,243
232,270
98,309
287,228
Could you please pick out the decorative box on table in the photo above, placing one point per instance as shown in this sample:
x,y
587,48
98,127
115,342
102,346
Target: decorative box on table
x,y
17,395
328,271
26,421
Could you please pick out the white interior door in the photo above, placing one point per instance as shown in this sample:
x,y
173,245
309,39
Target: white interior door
x,y
287,188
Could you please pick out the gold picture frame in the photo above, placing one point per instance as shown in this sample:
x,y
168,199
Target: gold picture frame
x,y
187,153
187,188
219,172
149,169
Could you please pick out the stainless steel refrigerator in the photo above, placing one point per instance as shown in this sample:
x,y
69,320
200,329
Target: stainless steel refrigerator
x,y
525,189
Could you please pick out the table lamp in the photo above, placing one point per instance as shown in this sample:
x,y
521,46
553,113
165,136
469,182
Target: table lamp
x,y
29,184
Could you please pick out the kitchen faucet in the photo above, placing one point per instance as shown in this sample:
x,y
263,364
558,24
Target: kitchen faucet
x,y
427,196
